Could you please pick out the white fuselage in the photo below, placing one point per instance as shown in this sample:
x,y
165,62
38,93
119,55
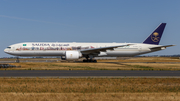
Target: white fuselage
x,y
59,49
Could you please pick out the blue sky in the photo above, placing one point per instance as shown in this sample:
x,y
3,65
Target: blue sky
x,y
88,21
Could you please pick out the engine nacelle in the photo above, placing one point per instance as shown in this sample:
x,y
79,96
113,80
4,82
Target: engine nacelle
x,y
72,55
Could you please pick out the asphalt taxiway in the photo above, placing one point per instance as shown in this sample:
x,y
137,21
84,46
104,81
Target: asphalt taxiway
x,y
88,73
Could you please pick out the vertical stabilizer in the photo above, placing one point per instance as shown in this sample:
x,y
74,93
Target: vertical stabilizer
x,y
155,36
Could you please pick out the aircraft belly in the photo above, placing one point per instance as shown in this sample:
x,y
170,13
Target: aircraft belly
x,y
38,53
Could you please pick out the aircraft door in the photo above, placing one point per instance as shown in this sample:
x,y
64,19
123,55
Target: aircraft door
x,y
140,48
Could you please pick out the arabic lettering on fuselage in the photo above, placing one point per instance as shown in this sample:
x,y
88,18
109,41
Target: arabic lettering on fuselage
x,y
46,44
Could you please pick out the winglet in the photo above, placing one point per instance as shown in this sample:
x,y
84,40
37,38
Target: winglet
x,y
155,36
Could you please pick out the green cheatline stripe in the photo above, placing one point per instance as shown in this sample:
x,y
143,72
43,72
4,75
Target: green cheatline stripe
x,y
24,44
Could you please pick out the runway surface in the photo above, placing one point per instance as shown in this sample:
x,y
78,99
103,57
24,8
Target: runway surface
x,y
88,73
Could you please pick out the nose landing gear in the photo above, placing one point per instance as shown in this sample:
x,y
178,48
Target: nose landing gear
x,y
17,60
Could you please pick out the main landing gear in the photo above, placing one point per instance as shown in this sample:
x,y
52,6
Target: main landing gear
x,y
89,60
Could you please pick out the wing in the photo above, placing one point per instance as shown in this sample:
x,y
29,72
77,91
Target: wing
x,y
162,47
103,49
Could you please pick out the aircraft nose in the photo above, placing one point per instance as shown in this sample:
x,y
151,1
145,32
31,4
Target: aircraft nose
x,y
6,50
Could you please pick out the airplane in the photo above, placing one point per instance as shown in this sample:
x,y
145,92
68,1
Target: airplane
x,y
73,50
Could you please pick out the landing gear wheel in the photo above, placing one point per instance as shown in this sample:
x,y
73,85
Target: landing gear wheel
x,y
17,60
89,60
95,61
84,60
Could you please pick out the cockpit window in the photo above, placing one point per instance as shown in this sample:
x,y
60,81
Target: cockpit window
x,y
9,47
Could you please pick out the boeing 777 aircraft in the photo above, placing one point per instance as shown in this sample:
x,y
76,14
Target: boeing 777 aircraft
x,y
72,51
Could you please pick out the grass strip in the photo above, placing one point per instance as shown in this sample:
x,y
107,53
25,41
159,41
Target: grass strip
x,y
89,85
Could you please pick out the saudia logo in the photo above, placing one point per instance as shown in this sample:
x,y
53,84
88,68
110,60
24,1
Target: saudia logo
x,y
154,37
42,44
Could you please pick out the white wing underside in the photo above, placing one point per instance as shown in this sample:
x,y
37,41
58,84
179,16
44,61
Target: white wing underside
x,y
102,49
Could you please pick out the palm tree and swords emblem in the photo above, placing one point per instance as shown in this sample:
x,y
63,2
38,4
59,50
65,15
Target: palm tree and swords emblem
x,y
154,37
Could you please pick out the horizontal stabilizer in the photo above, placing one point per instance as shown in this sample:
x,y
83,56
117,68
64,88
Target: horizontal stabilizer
x,y
162,47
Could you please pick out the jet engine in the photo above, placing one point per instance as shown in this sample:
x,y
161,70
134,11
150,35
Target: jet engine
x,y
72,55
